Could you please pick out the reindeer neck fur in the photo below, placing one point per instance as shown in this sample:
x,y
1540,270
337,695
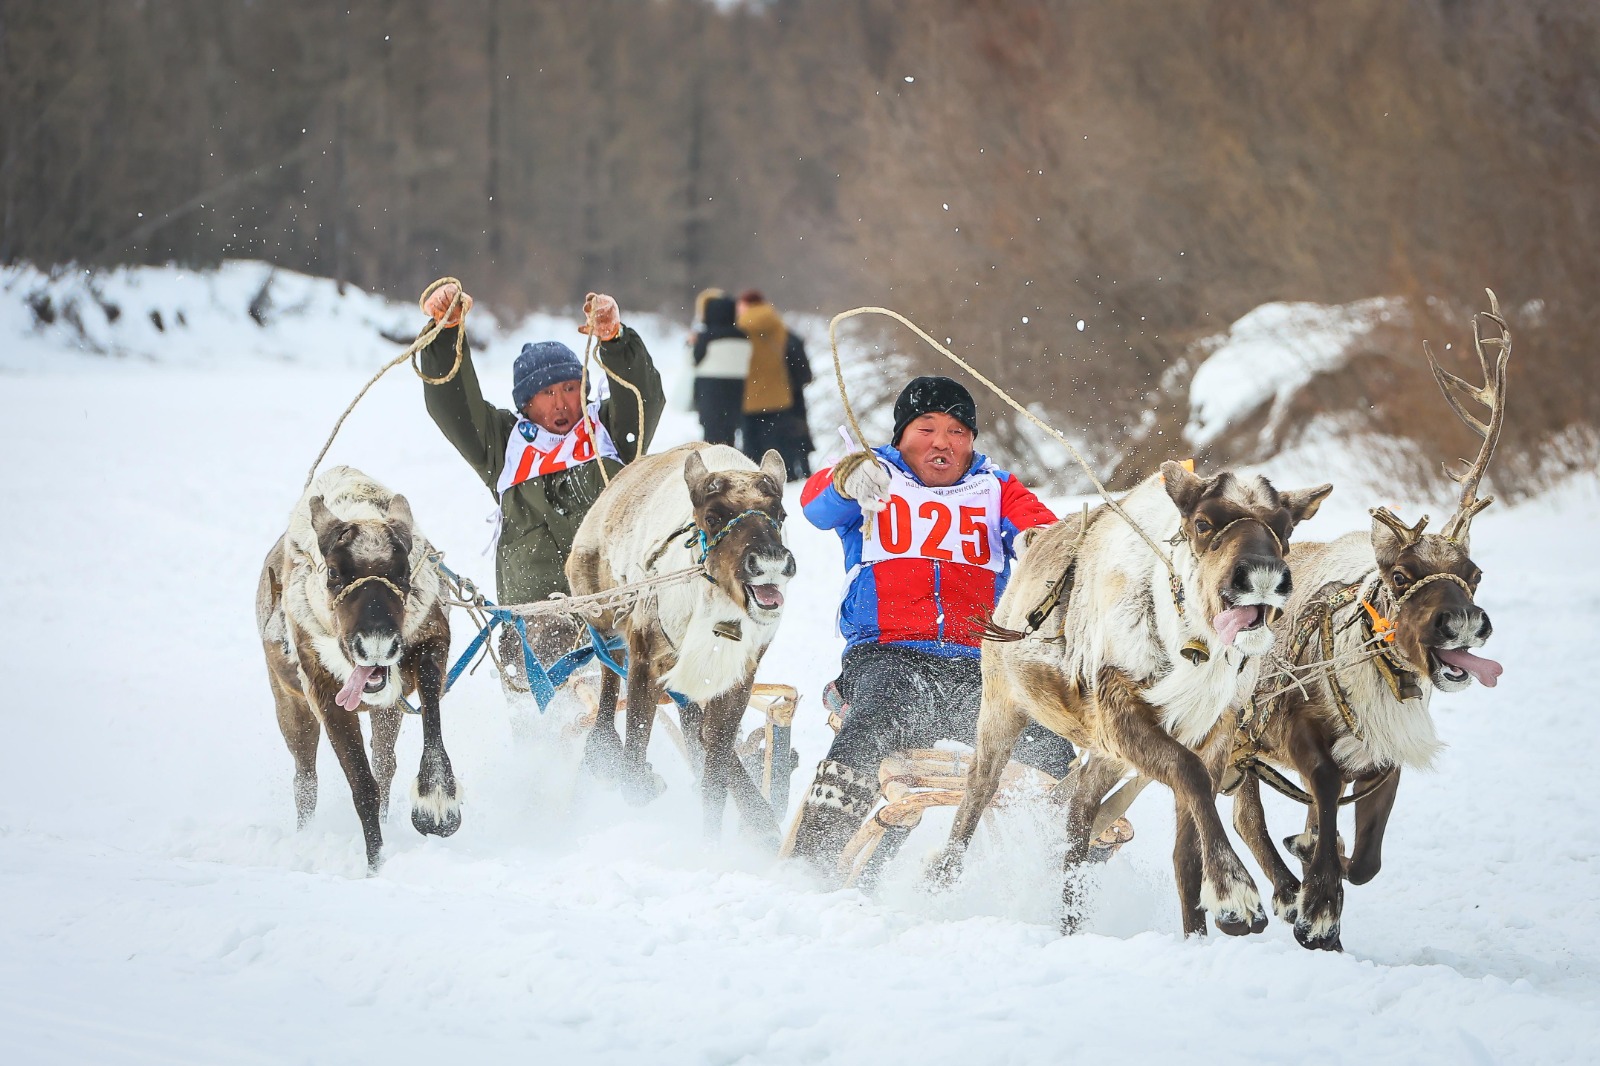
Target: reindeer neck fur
x,y
307,606
1123,615
1393,732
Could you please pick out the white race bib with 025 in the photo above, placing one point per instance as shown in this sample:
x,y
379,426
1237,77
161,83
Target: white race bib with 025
x,y
955,524
533,451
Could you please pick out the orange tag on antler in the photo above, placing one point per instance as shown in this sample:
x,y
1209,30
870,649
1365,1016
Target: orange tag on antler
x,y
1381,626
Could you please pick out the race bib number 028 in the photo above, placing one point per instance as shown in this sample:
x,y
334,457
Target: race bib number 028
x,y
959,524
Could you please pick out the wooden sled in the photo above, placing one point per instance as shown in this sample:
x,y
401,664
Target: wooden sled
x,y
767,751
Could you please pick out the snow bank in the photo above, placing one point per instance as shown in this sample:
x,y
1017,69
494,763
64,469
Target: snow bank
x,y
1270,354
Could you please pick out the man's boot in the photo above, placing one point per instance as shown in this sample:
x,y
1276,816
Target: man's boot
x,y
839,800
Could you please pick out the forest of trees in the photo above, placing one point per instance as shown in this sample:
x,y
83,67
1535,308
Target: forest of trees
x,y
1152,167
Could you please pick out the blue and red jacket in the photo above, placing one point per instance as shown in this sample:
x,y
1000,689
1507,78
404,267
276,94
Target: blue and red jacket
x,y
931,605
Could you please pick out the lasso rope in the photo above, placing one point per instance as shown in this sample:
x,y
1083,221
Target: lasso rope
x,y
849,412
590,351
425,338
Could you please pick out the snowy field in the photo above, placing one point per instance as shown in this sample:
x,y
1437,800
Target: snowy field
x,y
160,907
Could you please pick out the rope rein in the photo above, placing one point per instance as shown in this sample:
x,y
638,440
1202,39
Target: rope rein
x,y
838,373
425,338
591,351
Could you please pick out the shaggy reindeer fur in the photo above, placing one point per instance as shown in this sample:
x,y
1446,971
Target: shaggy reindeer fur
x,y
701,639
1108,671
344,528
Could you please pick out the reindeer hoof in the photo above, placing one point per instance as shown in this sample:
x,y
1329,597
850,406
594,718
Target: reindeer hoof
x,y
1316,924
642,786
1287,906
944,869
1236,909
436,812
602,754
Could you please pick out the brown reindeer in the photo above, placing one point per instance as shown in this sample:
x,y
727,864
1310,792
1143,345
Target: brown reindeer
x,y
1393,615
351,620
702,640
1138,671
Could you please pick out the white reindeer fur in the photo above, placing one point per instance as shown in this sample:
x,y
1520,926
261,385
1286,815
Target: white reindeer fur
x,y
1394,733
1107,622
353,497
707,665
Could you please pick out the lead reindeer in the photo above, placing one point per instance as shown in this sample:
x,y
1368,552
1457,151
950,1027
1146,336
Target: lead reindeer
x,y
1139,671
1407,597
351,619
704,639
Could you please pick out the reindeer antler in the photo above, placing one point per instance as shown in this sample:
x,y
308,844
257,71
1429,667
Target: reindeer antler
x,y
1492,396
1408,535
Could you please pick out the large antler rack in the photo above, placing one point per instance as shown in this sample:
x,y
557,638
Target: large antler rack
x,y
1491,396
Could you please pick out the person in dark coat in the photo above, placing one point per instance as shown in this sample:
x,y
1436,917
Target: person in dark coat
x,y
774,395
721,361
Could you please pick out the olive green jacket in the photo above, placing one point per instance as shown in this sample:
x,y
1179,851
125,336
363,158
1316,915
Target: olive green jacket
x,y
540,516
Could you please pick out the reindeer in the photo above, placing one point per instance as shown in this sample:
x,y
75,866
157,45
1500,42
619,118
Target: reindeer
x,y
351,620
1140,668
1393,617
704,639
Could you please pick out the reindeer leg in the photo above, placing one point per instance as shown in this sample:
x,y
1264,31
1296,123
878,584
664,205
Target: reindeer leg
x,y
1321,898
435,804
638,779
1250,822
725,774
385,731
1082,792
1136,734
344,733
602,752
1372,817
999,726
301,731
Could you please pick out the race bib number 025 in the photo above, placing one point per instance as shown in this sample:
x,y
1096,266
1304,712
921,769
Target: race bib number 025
x,y
959,524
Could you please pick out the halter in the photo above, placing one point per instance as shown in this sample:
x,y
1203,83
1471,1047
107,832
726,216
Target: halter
x,y
698,538
358,582
1216,538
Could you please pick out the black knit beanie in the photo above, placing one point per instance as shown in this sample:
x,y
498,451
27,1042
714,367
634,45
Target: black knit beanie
x,y
926,395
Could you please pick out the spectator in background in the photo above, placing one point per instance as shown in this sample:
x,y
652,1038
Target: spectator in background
x,y
721,360
774,392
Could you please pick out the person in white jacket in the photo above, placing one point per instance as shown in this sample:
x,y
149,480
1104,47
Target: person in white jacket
x,y
721,362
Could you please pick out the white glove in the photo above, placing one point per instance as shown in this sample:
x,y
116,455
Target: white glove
x,y
861,477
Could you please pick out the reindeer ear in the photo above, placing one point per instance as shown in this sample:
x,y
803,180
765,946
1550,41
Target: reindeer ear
x,y
695,475
399,512
772,465
324,523
1183,486
1303,503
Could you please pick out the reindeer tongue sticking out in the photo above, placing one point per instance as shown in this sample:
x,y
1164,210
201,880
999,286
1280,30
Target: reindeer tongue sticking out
x,y
1235,620
1485,671
349,697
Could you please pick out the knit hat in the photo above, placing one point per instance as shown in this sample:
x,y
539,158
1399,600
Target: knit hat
x,y
926,395
540,366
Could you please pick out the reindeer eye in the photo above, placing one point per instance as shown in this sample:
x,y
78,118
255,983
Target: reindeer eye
x,y
1203,527
333,575
1400,578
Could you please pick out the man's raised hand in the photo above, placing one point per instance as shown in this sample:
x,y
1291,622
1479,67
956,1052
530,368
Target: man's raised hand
x,y
602,310
437,305
860,476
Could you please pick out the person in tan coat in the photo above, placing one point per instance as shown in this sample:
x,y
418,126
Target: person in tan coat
x,y
774,396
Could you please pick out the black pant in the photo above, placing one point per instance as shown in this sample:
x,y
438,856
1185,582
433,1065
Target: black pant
x,y
720,404
899,698
902,698
785,431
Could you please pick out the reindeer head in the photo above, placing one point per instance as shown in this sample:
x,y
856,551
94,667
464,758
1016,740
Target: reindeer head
x,y
1239,529
369,578
1430,578
1430,582
741,515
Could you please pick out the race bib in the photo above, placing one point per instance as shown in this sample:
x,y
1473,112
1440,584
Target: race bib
x,y
955,524
532,451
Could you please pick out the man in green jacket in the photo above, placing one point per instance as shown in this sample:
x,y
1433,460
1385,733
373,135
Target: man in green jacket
x,y
543,462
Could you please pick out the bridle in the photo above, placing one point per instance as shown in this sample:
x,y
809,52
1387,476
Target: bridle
x,y
698,540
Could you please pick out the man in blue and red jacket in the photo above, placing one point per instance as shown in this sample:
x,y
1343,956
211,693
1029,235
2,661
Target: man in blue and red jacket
x,y
943,528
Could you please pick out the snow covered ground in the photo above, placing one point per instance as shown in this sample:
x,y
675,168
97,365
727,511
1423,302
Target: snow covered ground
x,y
159,906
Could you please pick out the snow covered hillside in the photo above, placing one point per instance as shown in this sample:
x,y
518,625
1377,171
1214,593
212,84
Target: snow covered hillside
x,y
160,907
